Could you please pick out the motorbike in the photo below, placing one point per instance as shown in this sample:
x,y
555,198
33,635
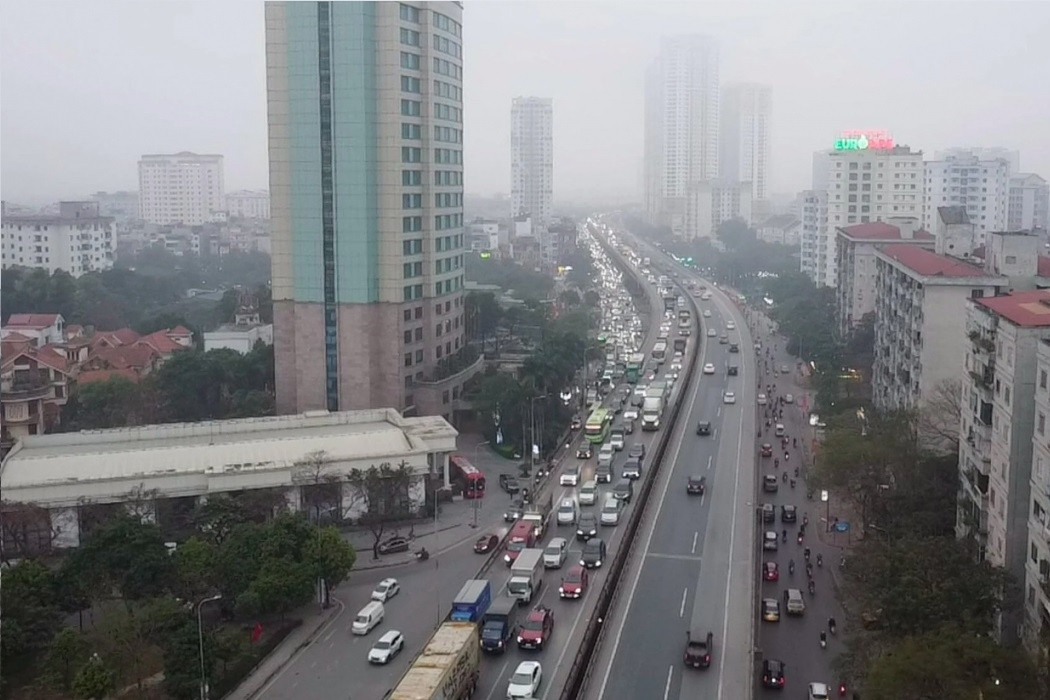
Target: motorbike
x,y
812,587
784,477
422,554
820,560
823,640
796,472
805,553
800,538
794,442
792,483
784,535
791,567
831,626
842,690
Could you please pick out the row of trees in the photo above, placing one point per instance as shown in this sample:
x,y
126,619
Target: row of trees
x,y
190,386
136,600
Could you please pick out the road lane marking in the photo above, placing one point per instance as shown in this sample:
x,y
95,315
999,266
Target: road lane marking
x,y
678,557
681,610
495,685
667,688
696,536
300,650
710,461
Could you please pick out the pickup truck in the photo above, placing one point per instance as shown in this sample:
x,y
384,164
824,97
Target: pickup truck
x,y
472,601
497,626
698,649
526,576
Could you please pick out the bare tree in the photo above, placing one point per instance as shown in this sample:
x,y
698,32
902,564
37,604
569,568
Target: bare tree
x,y
26,530
142,502
940,417
381,492
320,488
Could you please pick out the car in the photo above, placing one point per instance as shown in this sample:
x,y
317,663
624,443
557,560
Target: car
x,y
676,366
393,545
707,313
586,526
818,691
632,468
486,543
567,511
630,415
789,398
770,540
509,483
723,339
770,484
788,514
767,450
526,681
696,485
571,476
386,647
709,368
728,397
637,450
769,513
784,369
574,583
593,553
703,427
636,401
584,451
762,400
536,629
771,571
698,649
711,332
771,610
734,348
514,510
386,589
576,423
730,326
773,673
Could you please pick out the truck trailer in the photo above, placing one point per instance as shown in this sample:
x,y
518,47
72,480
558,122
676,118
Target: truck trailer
x,y
526,576
472,601
448,668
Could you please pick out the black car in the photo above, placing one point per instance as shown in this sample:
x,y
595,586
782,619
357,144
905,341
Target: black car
x,y
593,553
788,514
773,674
637,400
698,649
393,545
632,468
509,483
514,510
733,347
703,427
696,485
586,526
769,513
732,370
637,450
584,451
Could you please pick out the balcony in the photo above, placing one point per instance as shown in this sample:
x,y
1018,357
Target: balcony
x,y
984,378
25,391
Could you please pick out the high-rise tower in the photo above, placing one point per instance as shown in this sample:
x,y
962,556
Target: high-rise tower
x,y
532,158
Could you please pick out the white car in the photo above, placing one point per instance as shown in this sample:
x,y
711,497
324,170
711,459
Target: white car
x,y
762,400
525,681
571,476
386,647
818,691
387,589
729,397
567,511
711,332
789,398
630,413
730,326
707,313
709,368
676,366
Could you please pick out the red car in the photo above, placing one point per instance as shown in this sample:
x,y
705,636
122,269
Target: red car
x,y
536,629
574,584
486,543
767,450
770,571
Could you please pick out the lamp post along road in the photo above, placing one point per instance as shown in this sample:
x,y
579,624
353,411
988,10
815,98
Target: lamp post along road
x,y
477,447
200,644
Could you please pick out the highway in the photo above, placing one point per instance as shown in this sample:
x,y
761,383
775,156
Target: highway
x,y
571,617
694,556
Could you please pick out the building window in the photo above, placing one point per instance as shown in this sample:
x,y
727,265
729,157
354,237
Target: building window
x,y
410,84
411,108
409,37
411,131
419,356
1042,379
1042,424
409,14
408,337
419,334
410,154
411,201
419,312
409,60
410,178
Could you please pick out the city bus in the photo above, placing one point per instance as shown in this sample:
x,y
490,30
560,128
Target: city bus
x,y
468,476
597,427
635,365
660,351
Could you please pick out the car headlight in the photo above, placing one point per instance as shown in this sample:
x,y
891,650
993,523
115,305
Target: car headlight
x,y
598,563
520,640
561,590
583,563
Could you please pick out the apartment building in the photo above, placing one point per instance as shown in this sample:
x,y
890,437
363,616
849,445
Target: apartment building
x,y
978,184
181,188
1028,206
248,204
813,246
781,228
532,158
77,240
920,321
744,126
855,247
998,419
713,202
1035,629
367,205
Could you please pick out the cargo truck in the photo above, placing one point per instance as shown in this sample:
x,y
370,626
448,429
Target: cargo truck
x,y
526,576
497,626
679,344
652,408
472,601
447,668
539,515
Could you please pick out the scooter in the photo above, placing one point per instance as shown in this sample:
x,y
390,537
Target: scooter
x,y
820,560
812,587
792,483
800,538
823,640
422,554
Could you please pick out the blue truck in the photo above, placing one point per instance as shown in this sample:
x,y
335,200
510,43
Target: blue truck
x,y
472,601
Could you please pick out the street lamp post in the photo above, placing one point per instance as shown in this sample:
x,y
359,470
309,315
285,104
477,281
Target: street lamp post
x,y
475,505
200,643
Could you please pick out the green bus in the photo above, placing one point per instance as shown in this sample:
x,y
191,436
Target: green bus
x,y
635,365
597,426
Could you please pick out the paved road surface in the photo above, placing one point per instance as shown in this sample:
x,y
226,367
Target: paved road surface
x,y
695,560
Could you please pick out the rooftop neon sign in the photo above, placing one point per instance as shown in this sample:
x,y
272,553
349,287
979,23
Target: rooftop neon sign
x,y
872,140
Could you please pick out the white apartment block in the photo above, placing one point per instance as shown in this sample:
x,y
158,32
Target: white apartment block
x,y
998,419
783,229
864,185
712,202
681,129
813,246
532,158
181,188
968,180
77,240
856,246
248,204
920,321
1013,157
745,123
1028,204
1036,623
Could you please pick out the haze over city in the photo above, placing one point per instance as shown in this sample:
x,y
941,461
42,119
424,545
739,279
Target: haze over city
x,y
90,87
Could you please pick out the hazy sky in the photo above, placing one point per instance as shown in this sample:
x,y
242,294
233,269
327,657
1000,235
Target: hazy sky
x,y
86,87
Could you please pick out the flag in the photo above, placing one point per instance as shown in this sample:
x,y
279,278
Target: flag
x,y
257,633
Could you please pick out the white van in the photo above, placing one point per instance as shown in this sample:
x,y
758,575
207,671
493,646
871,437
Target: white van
x,y
589,493
370,616
611,510
779,431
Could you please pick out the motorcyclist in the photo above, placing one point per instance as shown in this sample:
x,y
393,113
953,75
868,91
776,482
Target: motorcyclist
x,y
812,587
794,442
800,538
823,639
796,472
787,455
805,553
791,567
784,476
820,560
792,483
831,625
423,554
776,462
784,535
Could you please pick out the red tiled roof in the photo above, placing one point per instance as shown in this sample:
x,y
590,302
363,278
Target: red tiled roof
x,y
102,375
136,357
121,336
16,337
74,329
1043,266
34,321
160,342
1021,308
45,356
930,264
10,349
880,230
181,331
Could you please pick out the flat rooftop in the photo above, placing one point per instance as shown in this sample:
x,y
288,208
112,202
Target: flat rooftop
x,y
1027,309
929,264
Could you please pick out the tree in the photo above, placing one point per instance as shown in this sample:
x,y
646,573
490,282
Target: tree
x,y
25,531
115,402
30,615
95,680
194,562
591,298
66,654
124,555
381,492
332,557
949,662
735,234
940,417
569,298
281,585
321,489
481,313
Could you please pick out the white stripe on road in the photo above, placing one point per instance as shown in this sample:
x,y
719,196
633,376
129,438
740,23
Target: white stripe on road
x,y
667,688
681,610
696,536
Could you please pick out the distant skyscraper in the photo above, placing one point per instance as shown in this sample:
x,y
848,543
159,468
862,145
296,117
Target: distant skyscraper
x,y
532,158
180,188
1012,157
747,111
365,112
681,129
1029,203
969,179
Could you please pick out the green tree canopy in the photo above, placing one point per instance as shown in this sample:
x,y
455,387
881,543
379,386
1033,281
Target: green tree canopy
x,y
125,556
30,613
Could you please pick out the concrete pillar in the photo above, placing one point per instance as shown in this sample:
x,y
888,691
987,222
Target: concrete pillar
x,y
65,524
294,499
417,493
